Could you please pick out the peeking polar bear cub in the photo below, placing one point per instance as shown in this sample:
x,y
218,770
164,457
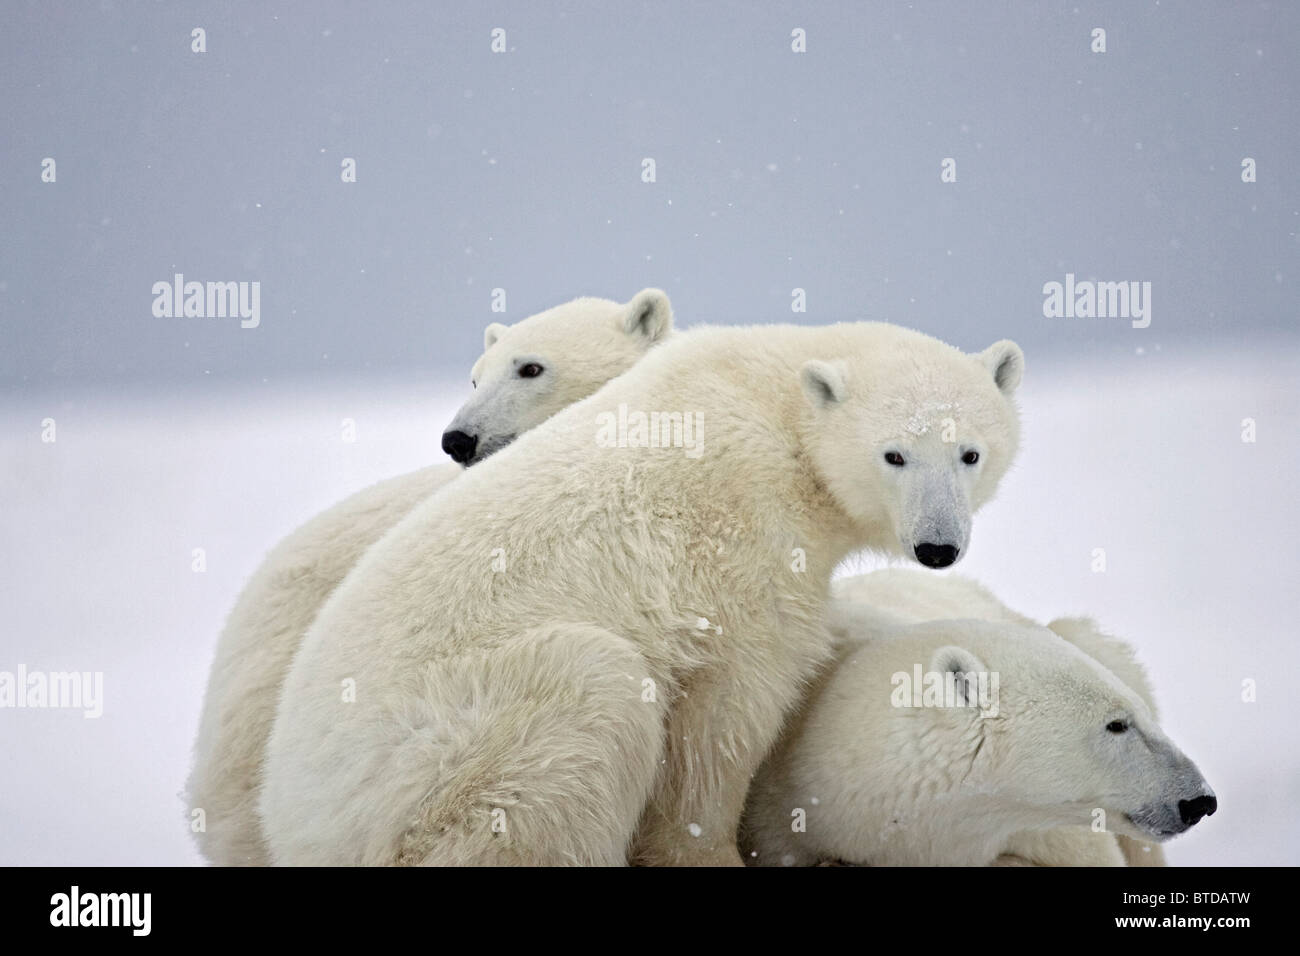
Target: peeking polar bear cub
x,y
531,370
1011,728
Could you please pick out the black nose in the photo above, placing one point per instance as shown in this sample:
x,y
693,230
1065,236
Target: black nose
x,y
459,445
936,555
1192,810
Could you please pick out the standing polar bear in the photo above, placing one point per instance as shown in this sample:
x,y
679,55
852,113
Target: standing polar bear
x,y
963,741
527,372
596,636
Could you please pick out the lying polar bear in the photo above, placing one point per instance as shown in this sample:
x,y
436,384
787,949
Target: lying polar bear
x,y
528,372
1042,741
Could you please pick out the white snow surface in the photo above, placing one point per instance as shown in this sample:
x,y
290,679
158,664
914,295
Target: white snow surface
x,y
1142,457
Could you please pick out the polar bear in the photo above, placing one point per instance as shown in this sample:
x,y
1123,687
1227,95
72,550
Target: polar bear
x,y
531,370
938,743
595,635
576,348
922,597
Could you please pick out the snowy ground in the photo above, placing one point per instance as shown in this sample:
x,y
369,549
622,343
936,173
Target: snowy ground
x,y
1144,460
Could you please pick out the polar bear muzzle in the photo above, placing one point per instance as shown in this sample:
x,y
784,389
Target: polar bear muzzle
x,y
459,445
936,555
1163,821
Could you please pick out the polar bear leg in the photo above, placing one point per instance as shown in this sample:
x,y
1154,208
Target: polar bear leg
x,y
1065,846
1132,853
550,745
1140,852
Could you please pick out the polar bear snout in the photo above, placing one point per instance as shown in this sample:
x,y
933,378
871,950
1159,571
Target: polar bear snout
x,y
934,520
936,555
1193,811
1163,820
459,445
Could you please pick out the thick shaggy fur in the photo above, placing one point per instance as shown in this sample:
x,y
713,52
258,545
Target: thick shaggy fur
x,y
575,647
581,344
257,645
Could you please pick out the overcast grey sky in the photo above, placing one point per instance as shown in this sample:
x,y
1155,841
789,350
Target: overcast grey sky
x,y
522,170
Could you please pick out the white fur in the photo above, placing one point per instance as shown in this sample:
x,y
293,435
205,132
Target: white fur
x,y
924,597
584,343
887,785
626,668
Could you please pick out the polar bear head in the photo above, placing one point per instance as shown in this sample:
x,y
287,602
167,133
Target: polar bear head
x,y
1070,743
936,743
532,369
912,436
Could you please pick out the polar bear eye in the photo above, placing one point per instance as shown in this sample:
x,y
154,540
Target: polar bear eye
x,y
895,459
1117,726
531,370
970,457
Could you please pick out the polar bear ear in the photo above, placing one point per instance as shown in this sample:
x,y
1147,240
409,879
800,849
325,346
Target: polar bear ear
x,y
649,315
823,382
492,333
959,662
1006,363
